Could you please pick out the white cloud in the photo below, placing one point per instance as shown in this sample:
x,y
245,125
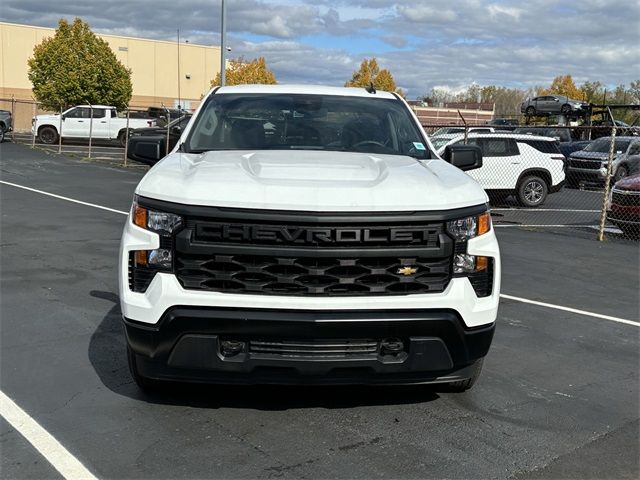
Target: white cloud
x,y
439,42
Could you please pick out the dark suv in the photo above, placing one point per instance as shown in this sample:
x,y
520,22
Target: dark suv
x,y
563,134
6,123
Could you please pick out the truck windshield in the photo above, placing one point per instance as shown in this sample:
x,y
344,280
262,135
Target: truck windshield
x,y
305,122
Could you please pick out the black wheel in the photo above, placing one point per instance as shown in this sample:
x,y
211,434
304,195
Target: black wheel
x,y
530,111
464,385
621,172
532,191
122,138
144,383
48,135
1,134
565,109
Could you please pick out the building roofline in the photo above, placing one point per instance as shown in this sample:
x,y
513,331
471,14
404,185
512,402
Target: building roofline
x,y
24,25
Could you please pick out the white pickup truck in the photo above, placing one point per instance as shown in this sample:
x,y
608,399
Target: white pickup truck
x,y
301,234
77,122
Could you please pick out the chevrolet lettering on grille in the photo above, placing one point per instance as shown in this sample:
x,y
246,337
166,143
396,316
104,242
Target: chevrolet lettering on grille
x,y
298,235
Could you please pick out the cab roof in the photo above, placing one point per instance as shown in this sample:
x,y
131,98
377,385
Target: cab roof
x,y
305,89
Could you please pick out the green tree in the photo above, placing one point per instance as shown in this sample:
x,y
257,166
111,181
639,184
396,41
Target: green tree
x,y
634,90
563,85
370,72
592,91
75,66
240,72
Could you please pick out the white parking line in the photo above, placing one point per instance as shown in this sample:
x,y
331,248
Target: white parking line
x,y
509,297
58,456
64,198
572,310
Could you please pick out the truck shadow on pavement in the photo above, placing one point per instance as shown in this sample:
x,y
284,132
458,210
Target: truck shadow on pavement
x,y
107,354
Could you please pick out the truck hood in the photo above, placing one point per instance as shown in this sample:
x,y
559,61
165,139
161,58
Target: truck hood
x,y
310,181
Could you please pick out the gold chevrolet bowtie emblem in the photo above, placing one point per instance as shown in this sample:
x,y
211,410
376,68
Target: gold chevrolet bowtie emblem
x,y
406,271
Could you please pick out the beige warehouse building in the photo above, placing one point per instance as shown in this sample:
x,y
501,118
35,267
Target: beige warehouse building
x,y
155,74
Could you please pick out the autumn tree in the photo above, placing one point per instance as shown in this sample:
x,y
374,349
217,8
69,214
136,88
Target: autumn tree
x,y
75,66
240,72
563,85
370,73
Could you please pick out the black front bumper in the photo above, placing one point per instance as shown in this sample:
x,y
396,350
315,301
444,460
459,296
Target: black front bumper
x,y
186,345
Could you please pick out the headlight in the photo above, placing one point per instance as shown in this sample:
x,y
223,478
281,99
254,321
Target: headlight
x,y
462,230
145,263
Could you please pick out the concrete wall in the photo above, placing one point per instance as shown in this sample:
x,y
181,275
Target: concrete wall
x,y
154,66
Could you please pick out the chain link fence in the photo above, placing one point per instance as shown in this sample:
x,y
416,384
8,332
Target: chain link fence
x,y
556,177
537,176
88,132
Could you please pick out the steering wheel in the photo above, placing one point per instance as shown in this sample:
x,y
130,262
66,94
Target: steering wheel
x,y
369,142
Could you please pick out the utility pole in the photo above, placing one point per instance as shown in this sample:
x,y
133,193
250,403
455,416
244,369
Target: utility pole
x,y
179,99
223,44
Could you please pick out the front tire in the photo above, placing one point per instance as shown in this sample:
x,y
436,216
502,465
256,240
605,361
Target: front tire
x,y
1,134
48,135
530,111
122,138
565,109
532,191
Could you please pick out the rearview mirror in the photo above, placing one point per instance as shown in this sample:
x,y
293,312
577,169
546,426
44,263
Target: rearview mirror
x,y
465,157
147,150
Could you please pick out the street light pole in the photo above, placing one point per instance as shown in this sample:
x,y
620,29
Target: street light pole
x,y
179,99
223,44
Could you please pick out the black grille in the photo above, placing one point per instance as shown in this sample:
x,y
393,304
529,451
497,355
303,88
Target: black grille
x,y
278,275
351,348
348,257
586,164
631,199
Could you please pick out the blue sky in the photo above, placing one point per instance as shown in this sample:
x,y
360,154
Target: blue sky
x,y
425,43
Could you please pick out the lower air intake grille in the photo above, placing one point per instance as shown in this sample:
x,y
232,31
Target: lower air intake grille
x,y
316,349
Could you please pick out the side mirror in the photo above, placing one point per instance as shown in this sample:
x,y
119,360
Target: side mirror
x,y
465,157
147,150
177,130
64,117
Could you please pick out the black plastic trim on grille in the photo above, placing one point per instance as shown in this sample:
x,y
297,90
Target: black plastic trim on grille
x,y
586,164
280,216
625,198
312,253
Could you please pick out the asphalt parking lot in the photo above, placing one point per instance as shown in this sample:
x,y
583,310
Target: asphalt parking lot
x,y
558,398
